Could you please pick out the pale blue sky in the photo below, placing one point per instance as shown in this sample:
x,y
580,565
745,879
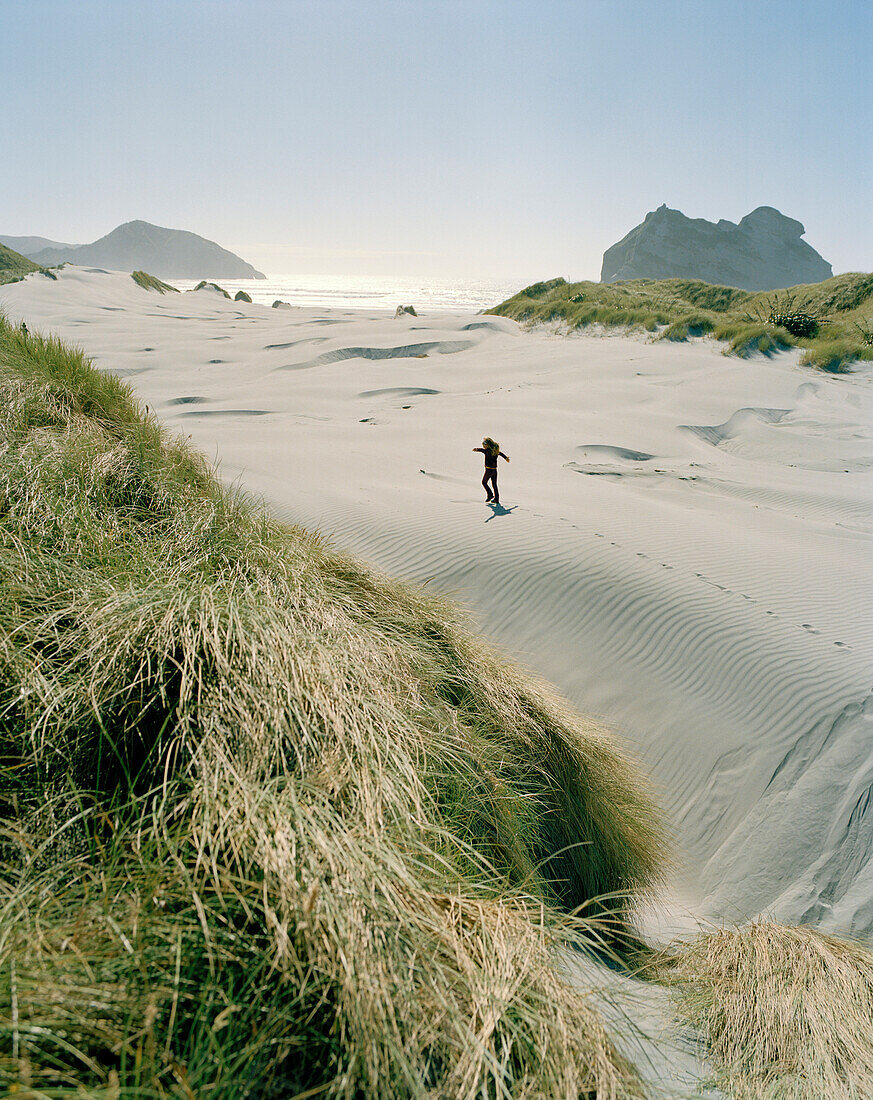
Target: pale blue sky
x,y
485,137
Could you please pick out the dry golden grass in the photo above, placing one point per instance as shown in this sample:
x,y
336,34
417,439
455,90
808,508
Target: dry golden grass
x,y
786,1012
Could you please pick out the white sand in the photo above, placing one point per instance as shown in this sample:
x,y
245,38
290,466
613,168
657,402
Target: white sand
x,y
685,547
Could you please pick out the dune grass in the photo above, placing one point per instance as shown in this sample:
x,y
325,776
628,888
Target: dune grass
x,y
786,1012
204,285
676,309
267,817
14,266
149,282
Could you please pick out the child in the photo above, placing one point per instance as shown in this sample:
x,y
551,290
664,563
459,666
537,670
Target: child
x,y
492,452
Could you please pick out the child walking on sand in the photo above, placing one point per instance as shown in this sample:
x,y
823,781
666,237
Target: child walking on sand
x,y
492,452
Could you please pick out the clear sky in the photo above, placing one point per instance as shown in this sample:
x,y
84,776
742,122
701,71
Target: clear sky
x,y
435,137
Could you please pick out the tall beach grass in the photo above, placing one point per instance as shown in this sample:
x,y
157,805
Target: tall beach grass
x,y
272,824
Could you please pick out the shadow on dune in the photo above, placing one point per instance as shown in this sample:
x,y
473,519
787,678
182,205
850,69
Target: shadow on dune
x,y
499,510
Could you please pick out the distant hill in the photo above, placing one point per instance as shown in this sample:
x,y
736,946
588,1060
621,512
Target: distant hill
x,y
763,252
13,265
28,245
167,253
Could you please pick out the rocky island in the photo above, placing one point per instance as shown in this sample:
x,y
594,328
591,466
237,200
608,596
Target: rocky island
x,y
763,252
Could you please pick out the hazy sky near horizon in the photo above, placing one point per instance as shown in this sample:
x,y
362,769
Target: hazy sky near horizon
x,y
492,138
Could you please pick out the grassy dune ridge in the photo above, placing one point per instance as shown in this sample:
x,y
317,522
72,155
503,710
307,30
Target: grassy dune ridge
x,y
270,822
674,309
14,266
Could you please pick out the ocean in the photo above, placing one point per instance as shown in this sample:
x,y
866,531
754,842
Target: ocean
x,y
371,292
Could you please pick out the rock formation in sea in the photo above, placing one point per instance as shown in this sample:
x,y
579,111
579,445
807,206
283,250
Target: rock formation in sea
x,y
167,253
763,252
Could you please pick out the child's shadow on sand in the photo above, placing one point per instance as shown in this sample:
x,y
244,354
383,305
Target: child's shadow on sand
x,y
499,510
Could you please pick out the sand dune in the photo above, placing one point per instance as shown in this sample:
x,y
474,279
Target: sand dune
x,y
683,544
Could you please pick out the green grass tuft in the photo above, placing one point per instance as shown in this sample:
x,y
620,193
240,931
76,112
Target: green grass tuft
x,y
204,285
836,355
692,324
265,815
149,282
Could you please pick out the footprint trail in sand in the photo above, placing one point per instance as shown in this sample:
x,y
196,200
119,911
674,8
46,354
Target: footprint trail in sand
x,y
703,587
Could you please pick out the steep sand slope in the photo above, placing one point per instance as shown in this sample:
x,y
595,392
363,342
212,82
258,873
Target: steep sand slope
x,y
684,545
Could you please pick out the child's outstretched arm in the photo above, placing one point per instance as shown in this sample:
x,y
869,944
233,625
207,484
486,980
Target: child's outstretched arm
x,y
481,450
502,455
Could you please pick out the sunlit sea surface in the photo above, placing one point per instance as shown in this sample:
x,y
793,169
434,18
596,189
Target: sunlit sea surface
x,y
371,292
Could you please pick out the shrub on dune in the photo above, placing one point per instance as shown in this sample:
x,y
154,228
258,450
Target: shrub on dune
x,y
268,816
